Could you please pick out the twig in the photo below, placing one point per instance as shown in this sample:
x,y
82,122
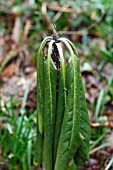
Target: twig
x,y
55,33
61,9
26,29
74,32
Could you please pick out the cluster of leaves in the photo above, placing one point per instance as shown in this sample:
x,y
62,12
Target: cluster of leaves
x,y
62,111
96,18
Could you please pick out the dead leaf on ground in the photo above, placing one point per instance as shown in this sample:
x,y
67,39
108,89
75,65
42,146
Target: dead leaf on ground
x,y
10,70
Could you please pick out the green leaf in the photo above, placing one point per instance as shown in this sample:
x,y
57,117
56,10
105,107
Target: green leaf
x,y
70,137
38,150
82,153
69,45
40,95
61,100
84,119
60,112
37,160
50,72
40,84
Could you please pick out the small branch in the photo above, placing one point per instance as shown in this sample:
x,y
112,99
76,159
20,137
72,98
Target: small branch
x,y
73,32
61,9
55,33
26,29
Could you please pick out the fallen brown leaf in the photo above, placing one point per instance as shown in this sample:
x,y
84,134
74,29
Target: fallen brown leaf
x,y
10,70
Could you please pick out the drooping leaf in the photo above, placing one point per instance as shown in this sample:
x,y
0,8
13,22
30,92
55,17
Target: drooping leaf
x,y
70,138
60,112
40,103
49,108
84,119
40,84
68,43
40,93
61,99
76,137
82,153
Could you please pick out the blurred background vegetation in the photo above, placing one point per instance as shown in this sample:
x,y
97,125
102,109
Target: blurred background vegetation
x,y
23,25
